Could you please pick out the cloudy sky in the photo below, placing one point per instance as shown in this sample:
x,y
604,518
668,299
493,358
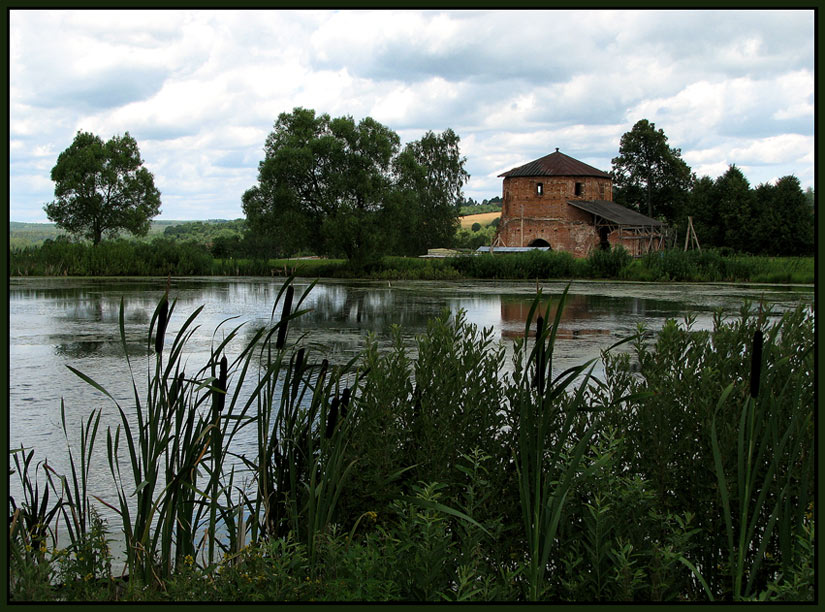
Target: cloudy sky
x,y
200,90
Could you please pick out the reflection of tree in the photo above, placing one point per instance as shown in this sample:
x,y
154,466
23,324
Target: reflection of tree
x,y
99,348
79,349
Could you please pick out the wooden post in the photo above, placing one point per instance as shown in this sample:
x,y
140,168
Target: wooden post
x,y
522,225
690,234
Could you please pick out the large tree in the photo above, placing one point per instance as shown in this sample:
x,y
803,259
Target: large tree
x,y
102,188
429,177
648,174
338,187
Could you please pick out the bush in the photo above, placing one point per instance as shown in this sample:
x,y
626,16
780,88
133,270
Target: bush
x,y
607,263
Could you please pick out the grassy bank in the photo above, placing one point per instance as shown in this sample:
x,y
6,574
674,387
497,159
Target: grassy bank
x,y
163,256
685,475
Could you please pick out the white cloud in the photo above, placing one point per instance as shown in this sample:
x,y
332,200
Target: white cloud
x,y
200,90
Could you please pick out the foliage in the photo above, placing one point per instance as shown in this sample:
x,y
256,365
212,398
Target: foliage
x,y
102,188
343,189
608,263
773,219
429,176
649,175
476,209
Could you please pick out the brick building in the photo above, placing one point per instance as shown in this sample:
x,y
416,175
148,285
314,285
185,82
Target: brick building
x,y
559,202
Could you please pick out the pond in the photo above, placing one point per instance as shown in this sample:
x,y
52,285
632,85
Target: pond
x,y
54,323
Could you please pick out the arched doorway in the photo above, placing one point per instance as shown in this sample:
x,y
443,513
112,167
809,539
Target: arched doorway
x,y
539,242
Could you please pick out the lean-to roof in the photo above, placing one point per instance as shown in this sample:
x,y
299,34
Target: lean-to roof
x,y
615,213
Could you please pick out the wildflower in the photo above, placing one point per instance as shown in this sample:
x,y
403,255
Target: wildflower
x,y
87,577
373,516
188,560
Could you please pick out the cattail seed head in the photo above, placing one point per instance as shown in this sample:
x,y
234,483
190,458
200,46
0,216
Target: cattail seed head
x,y
287,310
163,315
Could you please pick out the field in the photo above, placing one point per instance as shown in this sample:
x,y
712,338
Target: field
x,y
22,235
483,218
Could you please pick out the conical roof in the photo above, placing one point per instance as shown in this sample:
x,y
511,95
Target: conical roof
x,y
556,164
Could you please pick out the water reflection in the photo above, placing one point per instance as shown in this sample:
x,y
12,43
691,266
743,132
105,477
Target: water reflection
x,y
60,322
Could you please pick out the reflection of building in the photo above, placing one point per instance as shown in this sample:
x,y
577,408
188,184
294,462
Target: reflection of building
x,y
560,202
576,308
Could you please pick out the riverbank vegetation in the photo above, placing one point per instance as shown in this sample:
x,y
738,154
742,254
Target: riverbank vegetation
x,y
164,255
434,475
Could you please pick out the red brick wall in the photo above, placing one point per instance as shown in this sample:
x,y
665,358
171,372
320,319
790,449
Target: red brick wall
x,y
548,216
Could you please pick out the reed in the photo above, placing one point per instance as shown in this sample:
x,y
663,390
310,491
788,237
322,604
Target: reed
x,y
432,474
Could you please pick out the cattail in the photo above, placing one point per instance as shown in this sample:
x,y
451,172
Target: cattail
x,y
163,315
756,362
219,394
279,343
345,402
332,417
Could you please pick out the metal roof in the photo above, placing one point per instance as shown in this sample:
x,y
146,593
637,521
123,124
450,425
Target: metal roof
x,y
615,212
556,164
505,249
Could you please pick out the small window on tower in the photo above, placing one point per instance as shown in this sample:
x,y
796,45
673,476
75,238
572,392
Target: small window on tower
x,y
579,189
539,189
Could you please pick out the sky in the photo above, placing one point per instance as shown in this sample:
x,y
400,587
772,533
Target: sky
x,y
201,90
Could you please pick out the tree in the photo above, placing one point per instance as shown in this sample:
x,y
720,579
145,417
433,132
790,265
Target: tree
x,y
430,176
320,181
784,221
341,188
702,206
735,209
102,188
648,174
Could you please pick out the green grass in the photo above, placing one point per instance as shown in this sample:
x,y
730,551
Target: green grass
x,y
161,256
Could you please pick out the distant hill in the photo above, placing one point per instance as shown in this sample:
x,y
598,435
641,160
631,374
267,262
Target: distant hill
x,y
22,235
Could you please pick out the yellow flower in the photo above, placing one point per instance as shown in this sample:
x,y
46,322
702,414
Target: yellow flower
x,y
87,577
188,560
373,516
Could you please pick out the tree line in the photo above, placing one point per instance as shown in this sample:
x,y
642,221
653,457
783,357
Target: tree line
x,y
773,219
340,188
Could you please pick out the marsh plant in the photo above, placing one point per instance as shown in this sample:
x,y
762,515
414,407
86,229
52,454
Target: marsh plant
x,y
438,474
